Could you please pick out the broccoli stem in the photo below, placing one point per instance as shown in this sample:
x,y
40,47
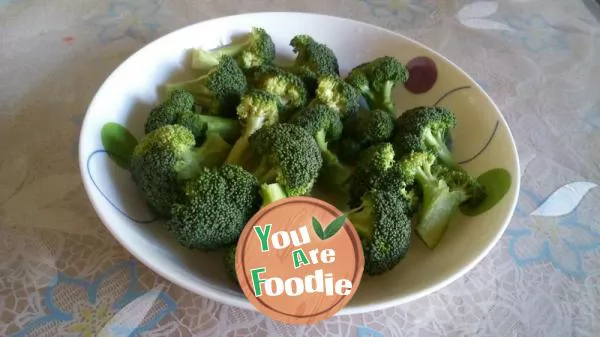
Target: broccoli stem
x,y
203,59
195,86
228,129
271,193
362,221
337,173
368,96
321,139
213,151
199,124
384,99
265,173
239,153
210,154
270,176
437,140
262,168
439,204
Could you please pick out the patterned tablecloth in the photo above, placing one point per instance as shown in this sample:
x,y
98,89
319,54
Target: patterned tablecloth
x,y
62,274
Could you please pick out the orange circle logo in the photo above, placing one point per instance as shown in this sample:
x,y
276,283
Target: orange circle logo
x,y
299,260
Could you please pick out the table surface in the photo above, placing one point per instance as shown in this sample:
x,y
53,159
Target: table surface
x,y
62,274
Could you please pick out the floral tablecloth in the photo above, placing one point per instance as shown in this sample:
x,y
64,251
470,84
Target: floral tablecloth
x,y
62,274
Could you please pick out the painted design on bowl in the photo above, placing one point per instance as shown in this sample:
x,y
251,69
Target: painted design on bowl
x,y
118,143
422,75
125,197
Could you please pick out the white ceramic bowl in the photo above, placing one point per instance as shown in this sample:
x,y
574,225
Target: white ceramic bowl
x,y
482,140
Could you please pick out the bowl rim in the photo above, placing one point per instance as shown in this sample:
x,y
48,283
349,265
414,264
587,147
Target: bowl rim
x,y
241,302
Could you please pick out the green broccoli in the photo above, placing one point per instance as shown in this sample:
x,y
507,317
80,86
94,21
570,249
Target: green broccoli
x,y
167,112
384,229
289,156
370,171
215,208
324,124
218,92
254,49
375,81
166,157
424,129
257,109
337,95
288,88
378,169
363,130
179,109
313,60
443,190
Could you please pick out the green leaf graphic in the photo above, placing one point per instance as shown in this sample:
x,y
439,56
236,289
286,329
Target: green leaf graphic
x,y
334,226
118,143
318,229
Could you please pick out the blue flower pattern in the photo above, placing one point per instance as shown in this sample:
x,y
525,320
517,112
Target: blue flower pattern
x,y
592,118
403,10
89,314
559,239
134,19
535,33
364,331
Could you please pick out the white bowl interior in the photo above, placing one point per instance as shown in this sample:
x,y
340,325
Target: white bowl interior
x,y
128,94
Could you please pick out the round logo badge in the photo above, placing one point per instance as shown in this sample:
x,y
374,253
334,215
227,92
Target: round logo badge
x,y
299,260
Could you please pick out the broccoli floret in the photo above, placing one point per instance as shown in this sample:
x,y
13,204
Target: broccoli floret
x,y
167,156
215,208
337,95
378,169
313,59
370,127
376,79
443,190
257,109
229,261
458,178
218,92
167,112
288,88
425,129
324,124
254,49
178,109
370,171
289,156
384,229
363,130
